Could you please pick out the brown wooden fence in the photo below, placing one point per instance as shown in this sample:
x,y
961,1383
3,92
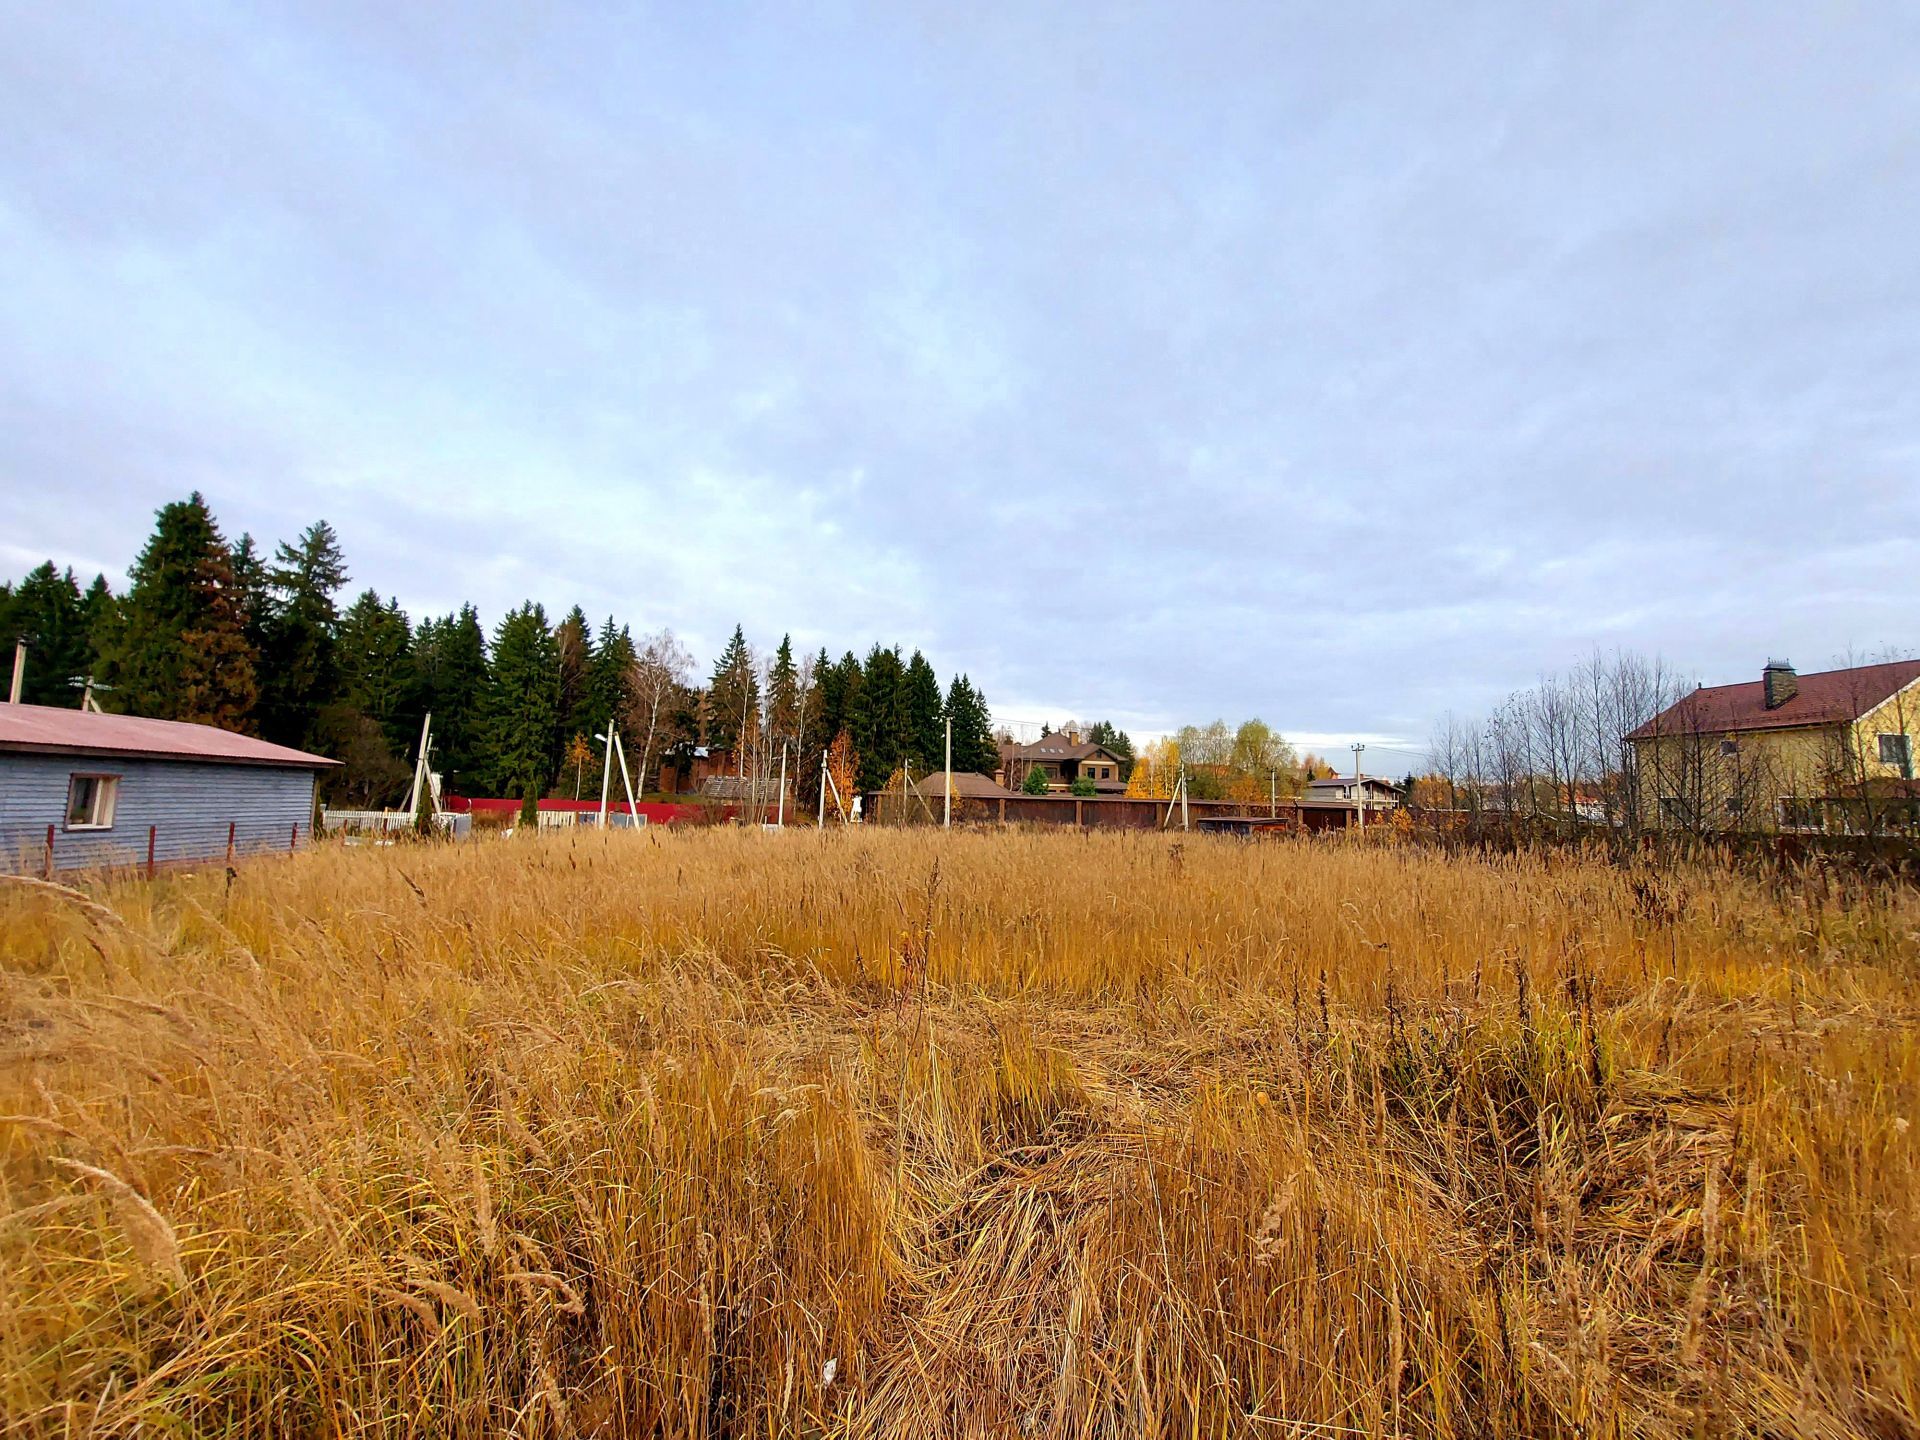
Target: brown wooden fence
x,y
1096,813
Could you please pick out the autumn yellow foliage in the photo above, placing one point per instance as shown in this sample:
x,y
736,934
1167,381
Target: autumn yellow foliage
x,y
909,1133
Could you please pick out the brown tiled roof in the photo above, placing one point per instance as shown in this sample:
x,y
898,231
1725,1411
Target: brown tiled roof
x,y
48,729
1827,697
967,785
1056,747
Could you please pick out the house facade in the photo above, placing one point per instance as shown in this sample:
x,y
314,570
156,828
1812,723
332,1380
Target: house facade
x,y
1828,752
1370,790
1064,758
82,790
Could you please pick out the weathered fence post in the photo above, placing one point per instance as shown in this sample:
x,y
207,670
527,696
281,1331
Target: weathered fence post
x,y
153,833
49,850
293,840
230,826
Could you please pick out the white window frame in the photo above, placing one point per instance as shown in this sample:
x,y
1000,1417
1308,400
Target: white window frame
x,y
106,799
1905,746
1784,815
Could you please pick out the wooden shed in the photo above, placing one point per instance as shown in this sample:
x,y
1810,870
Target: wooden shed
x,y
80,790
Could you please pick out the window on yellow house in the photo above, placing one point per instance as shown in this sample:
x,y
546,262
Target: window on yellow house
x,y
1897,751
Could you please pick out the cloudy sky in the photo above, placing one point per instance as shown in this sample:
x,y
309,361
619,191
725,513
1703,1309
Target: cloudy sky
x,y
1340,364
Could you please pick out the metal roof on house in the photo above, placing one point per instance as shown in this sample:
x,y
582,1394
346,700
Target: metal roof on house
x,y
48,729
967,785
1827,697
1057,747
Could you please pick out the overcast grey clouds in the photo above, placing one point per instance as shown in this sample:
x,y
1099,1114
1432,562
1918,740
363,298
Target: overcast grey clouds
x,y
1338,364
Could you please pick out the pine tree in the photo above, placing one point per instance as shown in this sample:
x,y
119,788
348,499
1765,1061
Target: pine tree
x,y
182,651
450,667
49,613
924,740
974,748
301,635
733,697
523,703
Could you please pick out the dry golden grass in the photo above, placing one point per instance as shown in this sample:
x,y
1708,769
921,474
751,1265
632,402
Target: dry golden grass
x,y
903,1133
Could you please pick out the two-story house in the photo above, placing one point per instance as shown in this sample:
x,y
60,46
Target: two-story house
x,y
1829,751
1063,757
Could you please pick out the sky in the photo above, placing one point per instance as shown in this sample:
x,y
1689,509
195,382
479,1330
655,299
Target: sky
x,y
1342,365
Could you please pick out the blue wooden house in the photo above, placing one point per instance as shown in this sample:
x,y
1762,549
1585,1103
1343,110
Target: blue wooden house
x,y
82,790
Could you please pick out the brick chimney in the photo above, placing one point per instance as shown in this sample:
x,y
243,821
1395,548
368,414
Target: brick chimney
x,y
1779,683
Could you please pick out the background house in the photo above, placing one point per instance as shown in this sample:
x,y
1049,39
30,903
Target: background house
x,y
966,785
1370,789
1827,751
80,789
1063,758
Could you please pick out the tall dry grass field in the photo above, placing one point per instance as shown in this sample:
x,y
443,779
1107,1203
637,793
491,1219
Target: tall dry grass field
x,y
893,1133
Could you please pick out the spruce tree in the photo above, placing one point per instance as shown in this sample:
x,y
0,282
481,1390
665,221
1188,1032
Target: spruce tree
x,y
301,635
924,740
182,651
880,728
523,704
974,748
783,695
573,638
377,680
610,681
830,695
49,613
450,668
733,697
100,613
252,583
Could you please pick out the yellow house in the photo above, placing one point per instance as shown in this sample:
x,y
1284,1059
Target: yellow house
x,y
1832,751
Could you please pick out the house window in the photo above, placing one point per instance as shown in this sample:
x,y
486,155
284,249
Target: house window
x,y
1729,746
1798,813
1897,751
90,801
1673,810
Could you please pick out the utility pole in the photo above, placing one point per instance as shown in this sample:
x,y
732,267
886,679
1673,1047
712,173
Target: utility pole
x,y
782,822
946,809
1273,793
86,685
606,775
1359,793
19,671
626,778
822,821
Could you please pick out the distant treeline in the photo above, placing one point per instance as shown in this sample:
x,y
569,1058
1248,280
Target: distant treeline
x,y
219,633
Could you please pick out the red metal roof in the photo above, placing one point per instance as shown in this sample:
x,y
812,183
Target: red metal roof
x,y
48,729
1827,697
